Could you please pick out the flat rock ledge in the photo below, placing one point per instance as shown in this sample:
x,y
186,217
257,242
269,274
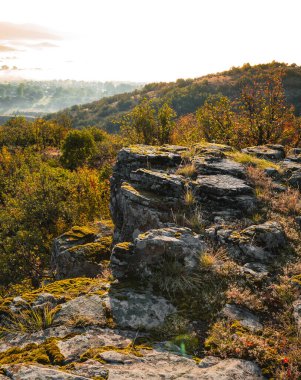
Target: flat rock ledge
x,y
153,365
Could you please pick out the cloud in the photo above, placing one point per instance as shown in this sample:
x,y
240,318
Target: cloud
x,y
13,32
42,45
4,48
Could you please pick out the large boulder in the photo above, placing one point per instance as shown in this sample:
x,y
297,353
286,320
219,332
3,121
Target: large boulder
x,y
138,310
268,151
80,251
294,155
157,248
86,309
245,317
259,243
124,308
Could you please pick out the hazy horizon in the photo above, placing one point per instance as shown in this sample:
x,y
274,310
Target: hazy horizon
x,y
153,41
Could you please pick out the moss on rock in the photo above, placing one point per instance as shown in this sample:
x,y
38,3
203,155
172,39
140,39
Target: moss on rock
x,y
95,353
45,353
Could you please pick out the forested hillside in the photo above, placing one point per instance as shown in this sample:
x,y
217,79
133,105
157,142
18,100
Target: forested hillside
x,y
185,96
35,98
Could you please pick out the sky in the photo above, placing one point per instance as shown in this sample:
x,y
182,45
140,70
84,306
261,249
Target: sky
x,y
143,40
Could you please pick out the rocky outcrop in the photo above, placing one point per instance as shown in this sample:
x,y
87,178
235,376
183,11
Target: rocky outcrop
x,y
220,165
80,251
184,228
149,186
289,164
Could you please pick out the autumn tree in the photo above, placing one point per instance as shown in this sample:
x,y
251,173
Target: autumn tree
x,y
186,131
264,113
216,119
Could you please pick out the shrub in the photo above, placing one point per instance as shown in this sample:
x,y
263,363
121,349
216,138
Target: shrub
x,y
77,148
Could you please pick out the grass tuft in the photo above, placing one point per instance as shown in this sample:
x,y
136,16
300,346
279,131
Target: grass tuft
x,y
29,320
187,171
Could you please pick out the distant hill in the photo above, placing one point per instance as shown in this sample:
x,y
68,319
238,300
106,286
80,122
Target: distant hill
x,y
185,95
36,98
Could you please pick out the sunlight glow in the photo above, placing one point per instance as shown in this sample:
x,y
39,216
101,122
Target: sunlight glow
x,y
157,40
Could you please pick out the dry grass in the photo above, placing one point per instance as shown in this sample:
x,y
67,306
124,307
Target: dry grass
x,y
262,183
189,198
288,202
187,171
214,256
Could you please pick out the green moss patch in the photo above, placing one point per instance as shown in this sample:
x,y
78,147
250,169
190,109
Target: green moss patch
x,y
45,353
80,232
68,288
96,251
95,353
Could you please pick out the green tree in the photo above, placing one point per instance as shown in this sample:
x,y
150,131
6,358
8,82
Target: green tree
x,y
139,125
146,124
77,148
166,117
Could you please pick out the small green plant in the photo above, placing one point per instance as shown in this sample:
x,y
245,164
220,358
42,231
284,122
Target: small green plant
x,y
195,219
188,343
